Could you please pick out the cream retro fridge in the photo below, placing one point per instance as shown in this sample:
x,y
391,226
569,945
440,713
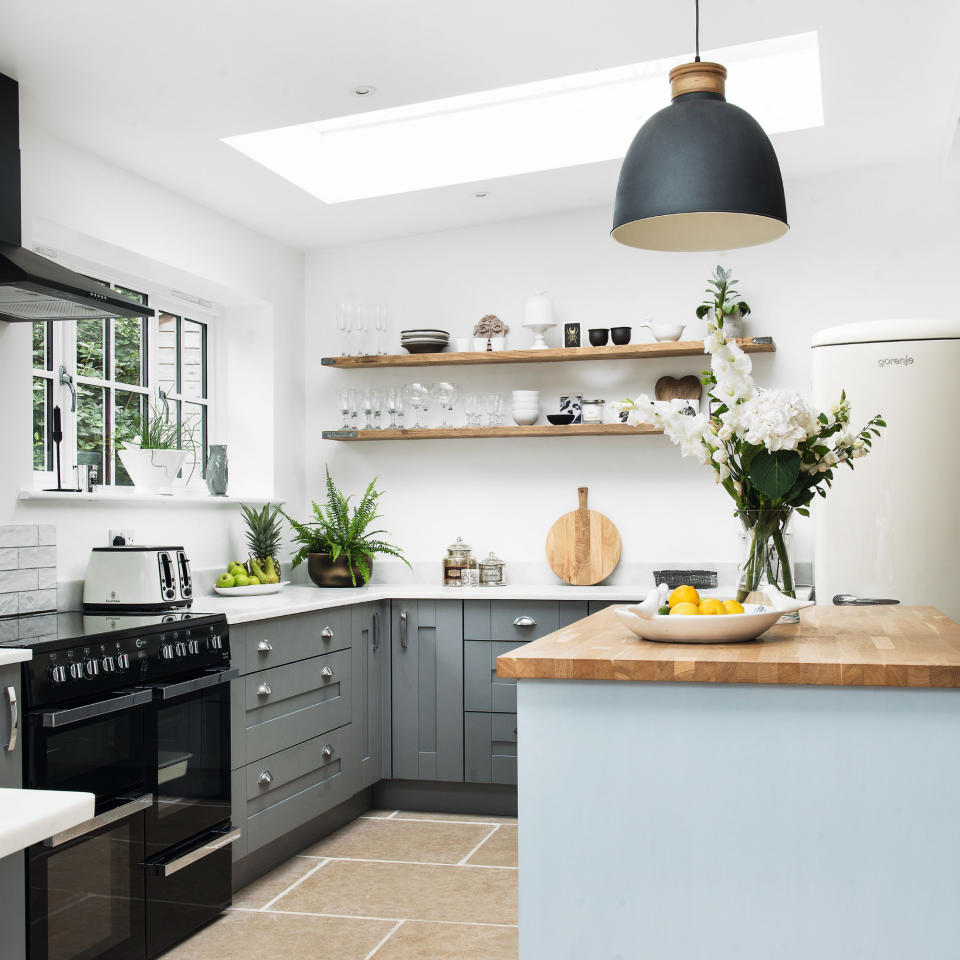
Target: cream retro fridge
x,y
890,529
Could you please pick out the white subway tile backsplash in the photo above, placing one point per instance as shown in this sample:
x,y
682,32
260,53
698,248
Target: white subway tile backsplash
x,y
38,557
47,578
47,535
39,626
19,535
9,559
8,604
32,601
13,581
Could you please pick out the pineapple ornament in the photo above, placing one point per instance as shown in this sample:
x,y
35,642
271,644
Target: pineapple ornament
x,y
263,541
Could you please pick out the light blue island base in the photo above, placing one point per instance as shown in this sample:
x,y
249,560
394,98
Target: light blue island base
x,y
671,821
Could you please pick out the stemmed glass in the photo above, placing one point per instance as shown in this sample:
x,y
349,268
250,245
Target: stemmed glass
x,y
345,405
363,330
354,409
446,395
394,405
379,402
418,396
494,406
345,317
369,401
380,323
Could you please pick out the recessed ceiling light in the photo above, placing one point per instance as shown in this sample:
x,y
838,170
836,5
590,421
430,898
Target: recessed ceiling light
x,y
547,125
364,90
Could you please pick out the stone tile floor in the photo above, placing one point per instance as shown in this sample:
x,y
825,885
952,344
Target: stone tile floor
x,y
392,885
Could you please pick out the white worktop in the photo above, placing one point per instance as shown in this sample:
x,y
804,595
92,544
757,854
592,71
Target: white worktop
x,y
8,655
303,599
29,816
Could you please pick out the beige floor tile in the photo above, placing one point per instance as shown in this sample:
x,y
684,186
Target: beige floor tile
x,y
500,850
450,941
242,935
262,891
407,891
378,839
463,817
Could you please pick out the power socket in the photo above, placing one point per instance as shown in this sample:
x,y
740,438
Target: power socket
x,y
120,537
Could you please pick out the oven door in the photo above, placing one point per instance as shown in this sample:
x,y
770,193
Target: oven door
x,y
85,888
188,735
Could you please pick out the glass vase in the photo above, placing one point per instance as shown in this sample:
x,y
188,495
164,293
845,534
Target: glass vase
x,y
766,557
216,475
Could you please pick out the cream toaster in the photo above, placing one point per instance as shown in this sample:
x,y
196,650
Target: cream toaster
x,y
137,578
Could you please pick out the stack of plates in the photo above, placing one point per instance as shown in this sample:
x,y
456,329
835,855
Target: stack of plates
x,y
424,341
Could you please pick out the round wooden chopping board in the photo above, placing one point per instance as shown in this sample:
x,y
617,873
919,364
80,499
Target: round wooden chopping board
x,y
583,546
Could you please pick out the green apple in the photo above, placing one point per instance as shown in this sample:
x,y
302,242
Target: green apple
x,y
241,580
226,580
235,568
253,581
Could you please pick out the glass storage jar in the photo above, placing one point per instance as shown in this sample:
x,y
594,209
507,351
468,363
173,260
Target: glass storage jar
x,y
491,571
458,559
591,411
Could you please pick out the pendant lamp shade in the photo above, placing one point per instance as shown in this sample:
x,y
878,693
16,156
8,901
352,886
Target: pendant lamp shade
x,y
700,174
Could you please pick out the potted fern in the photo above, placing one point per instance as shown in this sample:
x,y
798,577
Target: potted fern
x,y
337,544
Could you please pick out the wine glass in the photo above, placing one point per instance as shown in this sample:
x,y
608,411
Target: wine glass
x,y
363,329
345,407
354,409
379,401
418,396
394,405
446,395
469,408
345,315
381,325
494,406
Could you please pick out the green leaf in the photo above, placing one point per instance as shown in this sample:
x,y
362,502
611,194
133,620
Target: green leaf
x,y
773,474
803,511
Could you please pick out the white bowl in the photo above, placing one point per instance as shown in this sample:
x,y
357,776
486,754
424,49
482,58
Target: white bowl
x,y
525,417
525,406
666,331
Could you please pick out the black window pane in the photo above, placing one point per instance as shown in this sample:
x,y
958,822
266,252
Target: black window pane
x,y
91,348
91,429
128,412
42,444
128,351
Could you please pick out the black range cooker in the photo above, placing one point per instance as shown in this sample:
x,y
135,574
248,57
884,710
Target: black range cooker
x,y
136,710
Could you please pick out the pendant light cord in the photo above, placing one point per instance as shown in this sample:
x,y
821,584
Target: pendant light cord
x,y
696,5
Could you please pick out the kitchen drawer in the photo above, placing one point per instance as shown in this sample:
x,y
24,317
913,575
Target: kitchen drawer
x,y
490,747
305,785
483,690
272,643
291,704
496,619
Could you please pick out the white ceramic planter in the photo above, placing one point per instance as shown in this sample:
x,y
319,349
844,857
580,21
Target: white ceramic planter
x,y
153,470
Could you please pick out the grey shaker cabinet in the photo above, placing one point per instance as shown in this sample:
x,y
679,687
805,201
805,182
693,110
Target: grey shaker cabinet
x,y
371,690
427,671
490,747
12,881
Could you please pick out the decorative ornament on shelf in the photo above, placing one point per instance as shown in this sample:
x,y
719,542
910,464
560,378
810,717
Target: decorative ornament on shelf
x,y
539,317
490,333
771,451
701,174
724,304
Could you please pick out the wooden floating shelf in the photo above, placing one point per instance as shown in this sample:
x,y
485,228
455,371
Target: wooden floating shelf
x,y
632,351
455,433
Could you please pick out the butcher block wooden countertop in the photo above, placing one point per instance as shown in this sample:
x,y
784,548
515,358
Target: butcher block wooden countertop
x,y
883,646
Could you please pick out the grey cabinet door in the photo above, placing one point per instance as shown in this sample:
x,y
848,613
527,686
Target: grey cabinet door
x,y
371,690
13,901
491,747
427,655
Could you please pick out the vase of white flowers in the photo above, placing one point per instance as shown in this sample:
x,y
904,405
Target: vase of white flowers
x,y
770,450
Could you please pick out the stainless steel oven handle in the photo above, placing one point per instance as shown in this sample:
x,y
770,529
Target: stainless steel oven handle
x,y
61,718
174,866
168,691
14,719
101,820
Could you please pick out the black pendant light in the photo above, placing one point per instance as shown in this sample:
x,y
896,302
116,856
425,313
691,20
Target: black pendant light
x,y
700,174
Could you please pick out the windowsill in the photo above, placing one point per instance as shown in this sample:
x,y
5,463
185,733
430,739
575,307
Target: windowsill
x,y
181,498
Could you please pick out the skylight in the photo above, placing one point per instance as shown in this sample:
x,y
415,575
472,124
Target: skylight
x,y
547,125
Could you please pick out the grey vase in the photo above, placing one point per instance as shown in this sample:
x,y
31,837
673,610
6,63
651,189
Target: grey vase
x,y
216,475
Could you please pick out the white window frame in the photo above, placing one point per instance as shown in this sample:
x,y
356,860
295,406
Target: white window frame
x,y
63,349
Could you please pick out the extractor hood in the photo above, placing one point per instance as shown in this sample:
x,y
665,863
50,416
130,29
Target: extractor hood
x,y
33,287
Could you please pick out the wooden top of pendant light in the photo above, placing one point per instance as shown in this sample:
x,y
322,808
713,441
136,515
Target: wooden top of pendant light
x,y
698,77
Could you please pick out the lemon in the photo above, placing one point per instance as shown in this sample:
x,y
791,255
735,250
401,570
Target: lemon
x,y
711,606
684,594
732,606
685,609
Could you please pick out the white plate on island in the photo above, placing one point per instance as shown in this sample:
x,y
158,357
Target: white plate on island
x,y
260,590
643,620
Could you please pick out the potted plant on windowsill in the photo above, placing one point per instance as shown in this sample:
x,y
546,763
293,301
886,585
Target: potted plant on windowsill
x,y
153,451
337,544
725,308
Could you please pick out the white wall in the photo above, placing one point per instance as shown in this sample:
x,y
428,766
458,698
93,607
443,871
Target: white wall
x,y
91,209
863,244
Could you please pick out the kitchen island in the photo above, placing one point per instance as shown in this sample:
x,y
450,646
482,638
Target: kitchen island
x,y
793,797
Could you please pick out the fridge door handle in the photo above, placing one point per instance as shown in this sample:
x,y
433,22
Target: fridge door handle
x,y
134,805
170,867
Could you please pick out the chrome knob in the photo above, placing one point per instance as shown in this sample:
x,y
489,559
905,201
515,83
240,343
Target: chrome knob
x,y
108,665
215,642
180,649
326,673
264,646
264,690
524,622
58,674
123,661
326,633
91,668
265,777
193,646
76,671
327,752
166,651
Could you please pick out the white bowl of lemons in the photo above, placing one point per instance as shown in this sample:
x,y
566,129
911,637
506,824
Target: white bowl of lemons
x,y
683,616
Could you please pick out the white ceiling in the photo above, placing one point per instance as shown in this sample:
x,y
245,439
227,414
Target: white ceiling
x,y
153,87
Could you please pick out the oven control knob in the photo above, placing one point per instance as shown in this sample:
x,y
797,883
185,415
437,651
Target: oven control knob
x,y
108,665
180,649
76,671
91,668
123,661
58,674
193,646
166,651
215,641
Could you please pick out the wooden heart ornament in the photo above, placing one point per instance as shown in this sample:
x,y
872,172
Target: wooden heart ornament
x,y
686,388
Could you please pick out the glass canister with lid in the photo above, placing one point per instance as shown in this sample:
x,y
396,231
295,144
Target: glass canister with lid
x,y
458,560
592,411
491,571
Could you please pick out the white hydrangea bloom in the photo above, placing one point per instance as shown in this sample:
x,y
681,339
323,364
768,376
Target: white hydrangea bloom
x,y
775,419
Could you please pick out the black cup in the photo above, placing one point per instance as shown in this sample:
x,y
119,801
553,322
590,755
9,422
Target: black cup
x,y
598,336
620,335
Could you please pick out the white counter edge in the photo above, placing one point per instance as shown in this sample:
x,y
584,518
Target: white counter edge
x,y
29,816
